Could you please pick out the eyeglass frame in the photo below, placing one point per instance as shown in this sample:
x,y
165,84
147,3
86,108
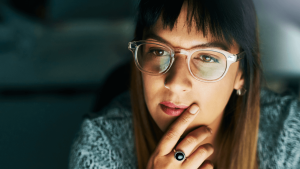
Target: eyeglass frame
x,y
133,46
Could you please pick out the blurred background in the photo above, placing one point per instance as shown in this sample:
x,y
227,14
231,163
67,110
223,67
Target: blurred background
x,y
57,57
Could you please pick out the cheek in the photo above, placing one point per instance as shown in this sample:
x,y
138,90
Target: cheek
x,y
151,87
220,91
154,93
213,98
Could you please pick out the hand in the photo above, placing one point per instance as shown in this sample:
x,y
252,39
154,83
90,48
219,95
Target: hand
x,y
163,156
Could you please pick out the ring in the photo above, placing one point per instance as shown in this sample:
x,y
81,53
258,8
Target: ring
x,y
179,155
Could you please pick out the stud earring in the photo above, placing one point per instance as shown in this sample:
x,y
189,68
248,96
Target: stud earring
x,y
241,91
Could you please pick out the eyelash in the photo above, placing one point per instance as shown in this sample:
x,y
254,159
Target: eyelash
x,y
212,58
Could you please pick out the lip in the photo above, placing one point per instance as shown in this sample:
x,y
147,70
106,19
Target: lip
x,y
171,105
171,111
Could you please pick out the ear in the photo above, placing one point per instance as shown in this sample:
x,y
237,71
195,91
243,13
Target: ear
x,y
239,80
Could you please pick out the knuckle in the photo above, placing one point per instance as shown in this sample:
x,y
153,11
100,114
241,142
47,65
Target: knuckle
x,y
207,166
171,134
155,161
156,158
205,130
209,148
202,151
185,119
160,162
191,139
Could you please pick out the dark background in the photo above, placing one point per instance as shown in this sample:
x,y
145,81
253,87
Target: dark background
x,y
56,57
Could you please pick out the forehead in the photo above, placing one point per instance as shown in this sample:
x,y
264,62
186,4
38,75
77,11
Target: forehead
x,y
183,35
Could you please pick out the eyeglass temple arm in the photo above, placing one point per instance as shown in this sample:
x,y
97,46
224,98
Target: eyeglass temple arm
x,y
240,56
132,47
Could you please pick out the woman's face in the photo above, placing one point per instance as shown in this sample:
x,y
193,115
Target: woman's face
x,y
184,89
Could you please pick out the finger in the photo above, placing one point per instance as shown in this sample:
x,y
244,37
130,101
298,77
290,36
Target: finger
x,y
193,139
207,165
198,156
173,134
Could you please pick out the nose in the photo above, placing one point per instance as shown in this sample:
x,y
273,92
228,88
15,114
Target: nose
x,y
178,78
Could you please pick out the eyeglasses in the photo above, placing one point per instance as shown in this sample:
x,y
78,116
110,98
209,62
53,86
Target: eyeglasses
x,y
205,64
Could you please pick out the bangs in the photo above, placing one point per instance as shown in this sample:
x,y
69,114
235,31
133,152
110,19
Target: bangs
x,y
224,20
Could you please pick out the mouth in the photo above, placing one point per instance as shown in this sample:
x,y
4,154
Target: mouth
x,y
171,111
174,110
171,105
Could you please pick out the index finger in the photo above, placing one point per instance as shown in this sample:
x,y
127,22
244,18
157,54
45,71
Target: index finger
x,y
178,127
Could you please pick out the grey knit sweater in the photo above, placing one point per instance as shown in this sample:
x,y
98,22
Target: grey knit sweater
x,y
107,141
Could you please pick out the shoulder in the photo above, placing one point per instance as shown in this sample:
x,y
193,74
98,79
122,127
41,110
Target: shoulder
x,y
279,130
106,140
278,110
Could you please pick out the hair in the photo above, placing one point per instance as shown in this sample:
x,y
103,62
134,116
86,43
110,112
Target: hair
x,y
225,20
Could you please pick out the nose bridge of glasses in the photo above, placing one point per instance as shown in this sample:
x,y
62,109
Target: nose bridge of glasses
x,y
181,51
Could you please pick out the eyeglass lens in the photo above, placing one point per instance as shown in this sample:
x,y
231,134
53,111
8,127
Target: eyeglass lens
x,y
205,64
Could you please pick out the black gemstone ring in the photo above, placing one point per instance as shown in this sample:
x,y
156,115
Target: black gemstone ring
x,y
179,155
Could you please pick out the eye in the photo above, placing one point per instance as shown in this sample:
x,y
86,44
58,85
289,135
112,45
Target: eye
x,y
207,58
158,52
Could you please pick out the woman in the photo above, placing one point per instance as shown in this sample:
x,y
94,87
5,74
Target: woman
x,y
195,96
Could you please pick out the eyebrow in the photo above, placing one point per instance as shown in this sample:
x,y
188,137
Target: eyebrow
x,y
214,44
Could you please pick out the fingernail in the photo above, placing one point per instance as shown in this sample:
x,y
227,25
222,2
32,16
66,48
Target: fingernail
x,y
209,129
194,109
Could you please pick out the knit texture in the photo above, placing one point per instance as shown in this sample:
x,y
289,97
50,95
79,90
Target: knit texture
x,y
106,139
279,131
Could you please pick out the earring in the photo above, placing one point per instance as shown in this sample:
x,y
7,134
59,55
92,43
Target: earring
x,y
166,86
241,91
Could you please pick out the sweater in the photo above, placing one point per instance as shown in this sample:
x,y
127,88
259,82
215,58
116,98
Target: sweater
x,y
106,140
